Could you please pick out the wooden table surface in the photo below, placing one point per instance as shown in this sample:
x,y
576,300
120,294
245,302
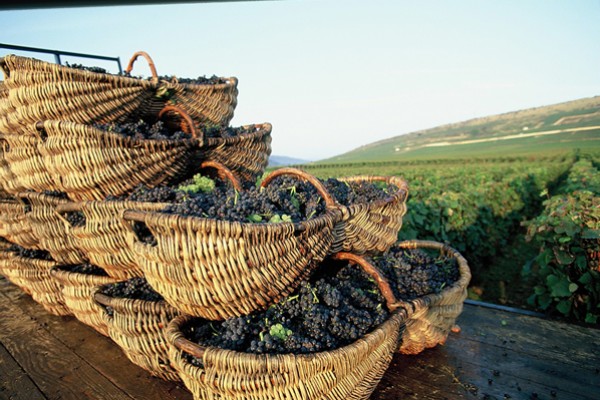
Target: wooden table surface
x,y
499,354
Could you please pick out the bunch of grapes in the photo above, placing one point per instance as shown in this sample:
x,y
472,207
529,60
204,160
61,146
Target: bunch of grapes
x,y
143,130
413,273
85,268
30,253
134,288
86,68
201,80
357,192
338,305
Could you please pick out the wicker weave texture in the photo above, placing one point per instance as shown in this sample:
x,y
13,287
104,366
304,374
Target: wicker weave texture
x,y
374,227
246,155
27,163
53,232
350,372
9,182
218,269
38,90
432,317
107,239
77,290
14,225
138,327
89,164
33,277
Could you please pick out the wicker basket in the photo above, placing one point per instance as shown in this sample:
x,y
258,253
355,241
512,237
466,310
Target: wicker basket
x,y
89,163
138,327
371,227
26,162
9,183
218,269
432,317
349,372
40,91
107,239
246,154
77,290
14,225
53,232
33,277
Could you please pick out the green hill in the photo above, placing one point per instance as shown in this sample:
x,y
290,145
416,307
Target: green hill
x,y
573,124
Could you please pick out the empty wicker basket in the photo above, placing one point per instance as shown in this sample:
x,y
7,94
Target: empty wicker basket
x,y
138,327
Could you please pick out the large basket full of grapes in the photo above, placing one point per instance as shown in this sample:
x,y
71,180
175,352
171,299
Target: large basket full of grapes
x,y
244,150
78,283
429,279
39,90
240,252
373,208
30,270
333,338
53,230
14,225
91,162
136,318
107,239
26,162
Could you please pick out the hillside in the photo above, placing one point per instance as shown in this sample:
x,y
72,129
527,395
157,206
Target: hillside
x,y
554,127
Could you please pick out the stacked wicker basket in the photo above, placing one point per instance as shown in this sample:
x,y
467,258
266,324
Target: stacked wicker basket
x,y
202,267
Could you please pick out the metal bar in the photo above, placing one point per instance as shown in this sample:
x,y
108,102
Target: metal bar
x,y
504,308
58,53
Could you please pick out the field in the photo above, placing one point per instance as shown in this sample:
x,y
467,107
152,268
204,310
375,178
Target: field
x,y
482,206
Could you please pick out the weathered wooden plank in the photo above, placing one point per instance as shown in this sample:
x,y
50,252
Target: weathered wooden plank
x,y
14,382
572,345
55,369
99,351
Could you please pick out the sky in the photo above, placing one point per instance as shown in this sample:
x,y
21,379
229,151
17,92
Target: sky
x,y
332,75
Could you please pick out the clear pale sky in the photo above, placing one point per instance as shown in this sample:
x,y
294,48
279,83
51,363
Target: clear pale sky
x,y
334,75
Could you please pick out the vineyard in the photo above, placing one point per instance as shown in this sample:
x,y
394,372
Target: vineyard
x,y
529,226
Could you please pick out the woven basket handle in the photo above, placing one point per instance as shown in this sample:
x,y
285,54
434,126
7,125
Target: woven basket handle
x,y
150,64
187,124
329,200
223,172
384,286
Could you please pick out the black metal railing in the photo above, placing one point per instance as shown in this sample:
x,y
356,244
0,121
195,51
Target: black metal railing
x,y
58,53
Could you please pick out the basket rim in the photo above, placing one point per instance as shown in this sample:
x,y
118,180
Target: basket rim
x,y
59,272
129,304
434,298
120,140
260,130
175,337
231,81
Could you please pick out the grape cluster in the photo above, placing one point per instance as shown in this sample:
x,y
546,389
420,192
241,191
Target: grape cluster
x,y
134,288
143,130
357,192
217,131
86,68
201,80
284,196
30,253
414,273
85,268
338,305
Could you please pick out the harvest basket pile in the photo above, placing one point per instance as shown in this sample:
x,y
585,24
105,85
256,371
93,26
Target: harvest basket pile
x,y
131,205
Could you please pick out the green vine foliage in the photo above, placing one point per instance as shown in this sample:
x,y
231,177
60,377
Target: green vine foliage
x,y
568,232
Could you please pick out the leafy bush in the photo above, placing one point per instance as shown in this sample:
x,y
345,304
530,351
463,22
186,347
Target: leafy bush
x,y
568,231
